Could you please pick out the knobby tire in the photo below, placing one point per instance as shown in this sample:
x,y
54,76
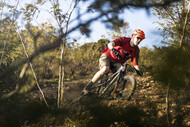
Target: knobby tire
x,y
128,86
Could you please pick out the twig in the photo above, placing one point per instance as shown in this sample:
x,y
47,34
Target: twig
x,y
78,98
5,45
5,96
167,104
34,74
61,66
58,41
185,24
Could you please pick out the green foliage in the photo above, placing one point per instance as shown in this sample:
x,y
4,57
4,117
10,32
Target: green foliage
x,y
172,65
44,65
13,47
145,60
120,31
7,82
81,61
10,54
173,19
167,64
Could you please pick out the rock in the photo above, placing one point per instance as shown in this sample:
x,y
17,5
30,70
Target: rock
x,y
148,84
160,114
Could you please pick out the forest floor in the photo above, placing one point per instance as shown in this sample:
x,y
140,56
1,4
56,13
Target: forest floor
x,y
146,108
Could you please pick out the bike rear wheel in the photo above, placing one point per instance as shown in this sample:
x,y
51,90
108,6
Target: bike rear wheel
x,y
126,88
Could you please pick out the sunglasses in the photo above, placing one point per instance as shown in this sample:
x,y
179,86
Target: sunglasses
x,y
139,38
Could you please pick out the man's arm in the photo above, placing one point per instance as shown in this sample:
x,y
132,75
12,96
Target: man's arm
x,y
134,62
119,41
111,45
115,51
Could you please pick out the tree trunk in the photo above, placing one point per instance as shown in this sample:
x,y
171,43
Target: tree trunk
x,y
168,105
61,78
185,24
61,85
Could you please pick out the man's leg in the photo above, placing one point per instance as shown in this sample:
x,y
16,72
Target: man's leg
x,y
96,77
104,70
104,63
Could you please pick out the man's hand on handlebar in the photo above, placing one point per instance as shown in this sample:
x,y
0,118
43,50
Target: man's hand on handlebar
x,y
116,52
138,71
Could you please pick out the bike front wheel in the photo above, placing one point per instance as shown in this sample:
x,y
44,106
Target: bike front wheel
x,y
126,88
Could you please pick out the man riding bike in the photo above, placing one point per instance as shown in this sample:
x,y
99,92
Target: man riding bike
x,y
117,52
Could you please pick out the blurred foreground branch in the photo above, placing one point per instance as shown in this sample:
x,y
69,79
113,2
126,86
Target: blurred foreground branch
x,y
22,74
59,40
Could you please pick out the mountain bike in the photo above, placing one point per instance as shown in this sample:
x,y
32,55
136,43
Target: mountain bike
x,y
119,85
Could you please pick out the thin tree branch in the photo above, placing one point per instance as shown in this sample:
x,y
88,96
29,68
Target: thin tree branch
x,y
61,66
185,24
5,45
1,15
34,74
171,15
58,41
24,68
168,104
5,96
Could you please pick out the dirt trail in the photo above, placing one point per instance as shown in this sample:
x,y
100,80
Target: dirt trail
x,y
149,97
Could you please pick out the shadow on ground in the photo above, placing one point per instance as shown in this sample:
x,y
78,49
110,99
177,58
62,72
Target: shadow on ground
x,y
30,110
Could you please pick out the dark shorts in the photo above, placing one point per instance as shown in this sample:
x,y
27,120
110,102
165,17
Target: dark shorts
x,y
107,61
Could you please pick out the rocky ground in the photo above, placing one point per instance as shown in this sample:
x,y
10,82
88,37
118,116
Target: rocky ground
x,y
146,108
149,99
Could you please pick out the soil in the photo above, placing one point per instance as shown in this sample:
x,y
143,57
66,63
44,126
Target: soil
x,y
147,107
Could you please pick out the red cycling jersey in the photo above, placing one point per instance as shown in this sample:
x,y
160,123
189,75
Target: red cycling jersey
x,y
122,44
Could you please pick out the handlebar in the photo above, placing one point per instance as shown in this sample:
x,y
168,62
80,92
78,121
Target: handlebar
x,y
116,52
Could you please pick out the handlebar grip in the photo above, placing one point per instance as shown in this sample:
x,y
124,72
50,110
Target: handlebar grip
x,y
116,52
139,72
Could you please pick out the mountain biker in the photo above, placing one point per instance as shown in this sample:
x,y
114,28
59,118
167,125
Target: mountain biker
x,y
117,52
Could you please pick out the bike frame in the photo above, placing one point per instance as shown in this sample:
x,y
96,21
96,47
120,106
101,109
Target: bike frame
x,y
114,79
